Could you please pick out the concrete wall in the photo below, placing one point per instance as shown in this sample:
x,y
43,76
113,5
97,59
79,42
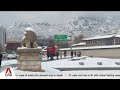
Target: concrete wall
x,y
108,53
105,53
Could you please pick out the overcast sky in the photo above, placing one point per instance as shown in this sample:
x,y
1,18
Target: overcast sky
x,y
7,18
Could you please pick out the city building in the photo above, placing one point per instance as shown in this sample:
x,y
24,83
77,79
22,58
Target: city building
x,y
13,45
107,46
110,39
2,38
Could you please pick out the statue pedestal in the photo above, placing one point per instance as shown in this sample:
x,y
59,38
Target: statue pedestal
x,y
29,59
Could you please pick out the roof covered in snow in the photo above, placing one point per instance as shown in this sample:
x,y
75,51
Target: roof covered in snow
x,y
79,44
93,47
102,37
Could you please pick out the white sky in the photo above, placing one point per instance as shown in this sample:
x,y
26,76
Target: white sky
x,y
7,18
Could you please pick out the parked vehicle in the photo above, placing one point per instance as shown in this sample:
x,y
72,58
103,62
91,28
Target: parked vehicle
x,y
12,56
4,54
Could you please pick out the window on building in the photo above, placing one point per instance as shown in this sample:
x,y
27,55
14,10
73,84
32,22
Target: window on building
x,y
94,42
116,40
119,40
103,41
88,42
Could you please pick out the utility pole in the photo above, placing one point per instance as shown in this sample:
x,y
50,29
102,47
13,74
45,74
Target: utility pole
x,y
70,44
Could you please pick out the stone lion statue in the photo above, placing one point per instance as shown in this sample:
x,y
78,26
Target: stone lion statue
x,y
29,39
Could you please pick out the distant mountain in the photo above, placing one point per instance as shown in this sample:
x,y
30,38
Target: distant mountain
x,y
86,25
43,30
94,25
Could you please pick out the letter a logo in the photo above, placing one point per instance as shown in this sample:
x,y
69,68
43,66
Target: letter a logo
x,y
8,72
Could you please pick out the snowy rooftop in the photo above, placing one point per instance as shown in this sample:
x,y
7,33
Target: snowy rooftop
x,y
79,44
102,36
93,47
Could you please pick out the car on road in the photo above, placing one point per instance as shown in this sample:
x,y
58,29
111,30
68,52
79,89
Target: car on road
x,y
12,56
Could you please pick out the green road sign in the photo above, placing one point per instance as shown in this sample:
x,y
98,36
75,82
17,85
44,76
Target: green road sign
x,y
60,37
63,37
56,37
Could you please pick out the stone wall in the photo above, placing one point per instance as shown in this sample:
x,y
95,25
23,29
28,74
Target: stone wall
x,y
29,59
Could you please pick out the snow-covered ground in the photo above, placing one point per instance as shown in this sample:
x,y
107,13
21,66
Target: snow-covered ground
x,y
71,68
9,62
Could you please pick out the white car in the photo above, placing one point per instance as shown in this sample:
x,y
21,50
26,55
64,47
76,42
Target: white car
x,y
12,56
4,54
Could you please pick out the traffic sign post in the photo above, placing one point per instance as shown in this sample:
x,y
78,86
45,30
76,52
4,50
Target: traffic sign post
x,y
60,37
63,38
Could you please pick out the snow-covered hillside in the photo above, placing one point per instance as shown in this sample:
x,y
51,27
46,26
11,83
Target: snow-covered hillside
x,y
86,25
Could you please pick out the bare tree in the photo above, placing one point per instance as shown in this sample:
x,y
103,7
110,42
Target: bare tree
x,y
78,38
81,36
